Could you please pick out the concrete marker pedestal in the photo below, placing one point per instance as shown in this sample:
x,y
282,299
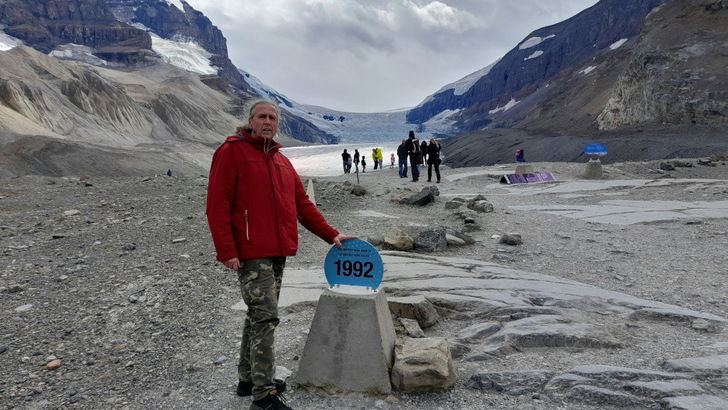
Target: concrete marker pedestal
x,y
351,343
593,169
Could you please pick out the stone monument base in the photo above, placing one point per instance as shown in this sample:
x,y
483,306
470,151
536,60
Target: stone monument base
x,y
351,344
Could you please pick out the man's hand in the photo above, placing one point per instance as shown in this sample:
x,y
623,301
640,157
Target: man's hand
x,y
233,264
340,238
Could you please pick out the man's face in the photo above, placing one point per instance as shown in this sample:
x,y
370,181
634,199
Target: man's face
x,y
264,122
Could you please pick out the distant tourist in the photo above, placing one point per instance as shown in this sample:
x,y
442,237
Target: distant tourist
x,y
413,149
380,158
433,159
520,156
402,155
345,156
392,158
363,164
374,158
356,160
423,150
169,172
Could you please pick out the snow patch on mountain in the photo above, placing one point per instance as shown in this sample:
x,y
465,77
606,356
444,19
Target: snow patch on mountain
x,y
441,123
504,108
534,55
8,42
183,54
588,70
462,85
617,44
534,41
84,54
176,3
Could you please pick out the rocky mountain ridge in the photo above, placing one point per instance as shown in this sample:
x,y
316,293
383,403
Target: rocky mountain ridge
x,y
619,69
129,98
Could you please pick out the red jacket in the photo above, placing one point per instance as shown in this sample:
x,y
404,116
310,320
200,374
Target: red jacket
x,y
254,201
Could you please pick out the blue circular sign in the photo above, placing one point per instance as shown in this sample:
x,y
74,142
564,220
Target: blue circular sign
x,y
358,263
595,149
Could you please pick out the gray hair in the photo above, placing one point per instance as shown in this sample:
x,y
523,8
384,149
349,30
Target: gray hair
x,y
262,101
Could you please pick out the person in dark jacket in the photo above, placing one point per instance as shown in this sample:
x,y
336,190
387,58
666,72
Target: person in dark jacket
x,y
356,160
345,156
255,199
433,159
520,156
423,150
413,149
402,156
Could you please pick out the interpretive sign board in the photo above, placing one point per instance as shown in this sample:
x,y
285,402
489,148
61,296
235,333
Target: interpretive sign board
x,y
526,178
358,263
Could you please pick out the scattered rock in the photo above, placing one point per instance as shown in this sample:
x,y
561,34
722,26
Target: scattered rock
x,y
398,241
412,327
24,308
422,365
220,360
431,240
53,365
414,307
453,240
425,196
512,239
358,190
482,206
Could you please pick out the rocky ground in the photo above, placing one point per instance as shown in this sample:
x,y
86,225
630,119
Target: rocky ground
x,y
116,279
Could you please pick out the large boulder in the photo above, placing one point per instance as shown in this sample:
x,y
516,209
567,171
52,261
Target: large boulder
x,y
431,240
422,365
422,198
398,240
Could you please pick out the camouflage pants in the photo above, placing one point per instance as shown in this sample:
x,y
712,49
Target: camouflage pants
x,y
260,285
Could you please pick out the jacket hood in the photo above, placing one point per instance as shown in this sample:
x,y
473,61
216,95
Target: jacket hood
x,y
264,144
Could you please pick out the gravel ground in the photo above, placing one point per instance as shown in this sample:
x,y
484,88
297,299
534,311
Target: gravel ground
x,y
117,279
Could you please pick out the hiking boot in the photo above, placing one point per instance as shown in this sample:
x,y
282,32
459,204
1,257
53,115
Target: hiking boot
x,y
246,388
273,401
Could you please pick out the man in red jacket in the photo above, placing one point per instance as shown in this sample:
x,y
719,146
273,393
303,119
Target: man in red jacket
x,y
254,202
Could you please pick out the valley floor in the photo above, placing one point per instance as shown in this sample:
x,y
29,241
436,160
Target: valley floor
x,y
117,279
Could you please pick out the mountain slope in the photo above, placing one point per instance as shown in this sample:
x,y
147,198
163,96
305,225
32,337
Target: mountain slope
x,y
135,37
657,94
542,55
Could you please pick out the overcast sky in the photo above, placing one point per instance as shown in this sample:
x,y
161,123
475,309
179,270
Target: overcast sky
x,y
374,55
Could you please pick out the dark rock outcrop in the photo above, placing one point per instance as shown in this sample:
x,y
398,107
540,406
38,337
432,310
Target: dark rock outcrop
x,y
47,24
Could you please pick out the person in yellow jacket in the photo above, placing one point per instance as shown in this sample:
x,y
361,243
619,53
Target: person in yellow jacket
x,y
380,158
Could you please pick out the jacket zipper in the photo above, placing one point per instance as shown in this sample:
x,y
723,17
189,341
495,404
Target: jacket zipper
x,y
275,199
247,234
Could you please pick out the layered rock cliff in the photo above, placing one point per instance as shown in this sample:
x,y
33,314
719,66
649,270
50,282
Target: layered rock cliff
x,y
677,72
49,23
